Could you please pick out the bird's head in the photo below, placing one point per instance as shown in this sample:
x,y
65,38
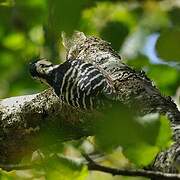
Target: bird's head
x,y
41,69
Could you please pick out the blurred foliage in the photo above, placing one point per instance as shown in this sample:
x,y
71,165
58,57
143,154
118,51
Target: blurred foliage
x,y
33,28
112,30
135,135
56,168
168,45
65,170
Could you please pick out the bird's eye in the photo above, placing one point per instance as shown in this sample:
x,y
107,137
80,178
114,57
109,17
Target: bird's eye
x,y
45,65
42,65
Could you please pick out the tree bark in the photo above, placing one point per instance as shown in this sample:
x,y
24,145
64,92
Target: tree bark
x,y
33,121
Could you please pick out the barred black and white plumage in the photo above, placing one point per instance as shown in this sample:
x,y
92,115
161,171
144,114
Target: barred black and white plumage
x,y
77,83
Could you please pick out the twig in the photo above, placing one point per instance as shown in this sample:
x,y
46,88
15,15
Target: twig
x,y
10,167
93,166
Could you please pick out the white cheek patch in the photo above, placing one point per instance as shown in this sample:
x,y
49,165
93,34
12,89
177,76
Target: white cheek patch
x,y
47,70
44,70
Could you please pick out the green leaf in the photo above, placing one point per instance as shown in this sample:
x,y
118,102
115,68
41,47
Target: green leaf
x,y
141,138
4,175
120,127
117,127
32,3
64,169
174,15
14,41
141,154
150,127
165,133
144,153
168,81
167,45
115,32
139,62
37,35
64,15
8,3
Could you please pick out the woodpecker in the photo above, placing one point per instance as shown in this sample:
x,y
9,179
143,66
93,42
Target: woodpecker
x,y
94,75
79,84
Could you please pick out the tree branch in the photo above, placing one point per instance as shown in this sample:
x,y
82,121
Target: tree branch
x,y
27,123
93,166
10,167
139,172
